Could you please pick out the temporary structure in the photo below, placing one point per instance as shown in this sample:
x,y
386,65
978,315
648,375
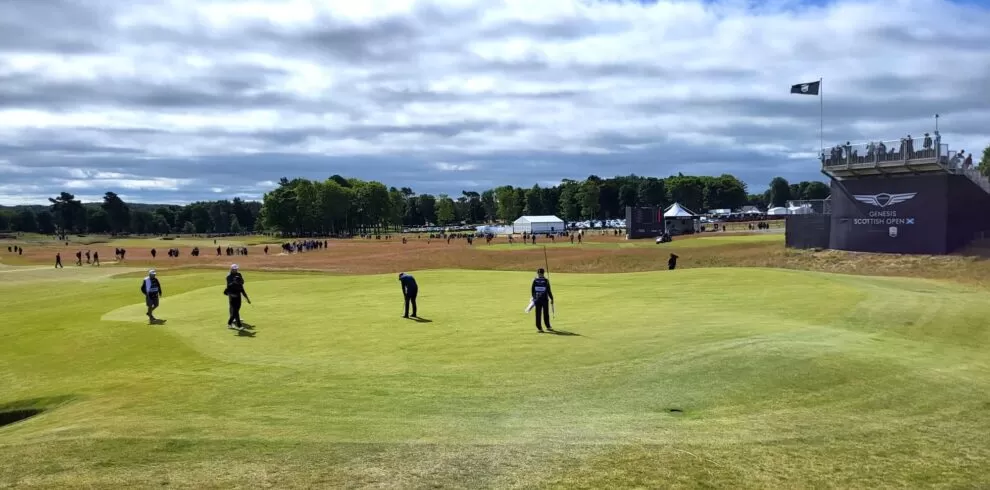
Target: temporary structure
x,y
779,210
538,224
680,220
677,211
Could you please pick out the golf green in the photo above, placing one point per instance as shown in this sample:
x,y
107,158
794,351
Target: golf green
x,y
743,378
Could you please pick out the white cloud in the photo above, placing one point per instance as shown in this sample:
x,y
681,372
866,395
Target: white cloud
x,y
455,167
408,92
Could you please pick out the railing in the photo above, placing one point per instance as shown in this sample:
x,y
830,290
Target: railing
x,y
927,150
876,152
812,206
974,175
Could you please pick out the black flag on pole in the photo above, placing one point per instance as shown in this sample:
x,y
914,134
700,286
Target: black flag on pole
x,y
810,88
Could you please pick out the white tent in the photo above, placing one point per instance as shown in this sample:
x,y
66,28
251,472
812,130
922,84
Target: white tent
x,y
777,211
538,224
677,211
679,220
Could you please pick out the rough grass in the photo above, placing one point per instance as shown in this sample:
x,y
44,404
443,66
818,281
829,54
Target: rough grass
x,y
784,379
31,239
598,254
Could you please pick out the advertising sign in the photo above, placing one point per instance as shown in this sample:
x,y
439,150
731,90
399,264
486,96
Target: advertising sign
x,y
890,214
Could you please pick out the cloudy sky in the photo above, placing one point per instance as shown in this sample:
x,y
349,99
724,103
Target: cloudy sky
x,y
180,100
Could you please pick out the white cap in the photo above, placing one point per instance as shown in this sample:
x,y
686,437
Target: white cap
x,y
233,267
151,272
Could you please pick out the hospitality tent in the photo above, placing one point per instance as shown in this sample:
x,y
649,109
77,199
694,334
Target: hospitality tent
x,y
777,211
538,224
680,220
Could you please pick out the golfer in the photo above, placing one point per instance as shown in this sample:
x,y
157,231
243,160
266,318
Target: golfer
x,y
409,292
234,291
542,297
235,275
151,289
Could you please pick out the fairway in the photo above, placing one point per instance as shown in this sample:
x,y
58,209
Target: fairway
x,y
742,378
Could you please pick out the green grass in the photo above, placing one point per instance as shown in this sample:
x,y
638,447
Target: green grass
x,y
713,240
785,379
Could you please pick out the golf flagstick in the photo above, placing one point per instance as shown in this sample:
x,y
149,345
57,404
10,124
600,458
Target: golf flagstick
x,y
546,266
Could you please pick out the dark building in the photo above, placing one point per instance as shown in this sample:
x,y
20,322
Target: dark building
x,y
906,196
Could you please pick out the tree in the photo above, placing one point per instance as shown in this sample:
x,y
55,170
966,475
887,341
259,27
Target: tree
x,y
397,206
508,203
334,205
984,165
307,205
589,199
235,225
280,208
445,210
241,209
608,199
652,192
628,196
374,203
816,190
98,221
534,201
475,210
723,192
569,205
347,205
428,208
489,206
687,190
25,222
118,213
779,192
159,224
69,213
758,200
168,217
142,222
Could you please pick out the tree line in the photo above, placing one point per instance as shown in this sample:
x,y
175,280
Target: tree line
x,y
66,215
340,205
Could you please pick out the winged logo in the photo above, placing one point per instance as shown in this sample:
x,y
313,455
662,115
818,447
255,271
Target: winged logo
x,y
883,200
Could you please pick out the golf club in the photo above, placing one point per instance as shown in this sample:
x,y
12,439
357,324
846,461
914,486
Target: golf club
x,y
546,267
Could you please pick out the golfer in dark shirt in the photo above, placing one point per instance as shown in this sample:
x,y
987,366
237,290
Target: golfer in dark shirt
x,y
542,298
409,291
672,262
234,291
235,275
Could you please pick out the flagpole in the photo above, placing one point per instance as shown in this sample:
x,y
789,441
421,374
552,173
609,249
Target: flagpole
x,y
821,118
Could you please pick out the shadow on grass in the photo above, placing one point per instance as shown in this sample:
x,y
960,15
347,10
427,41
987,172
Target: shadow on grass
x,y
20,410
420,320
158,321
564,333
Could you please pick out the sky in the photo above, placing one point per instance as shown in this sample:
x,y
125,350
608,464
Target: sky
x,y
172,101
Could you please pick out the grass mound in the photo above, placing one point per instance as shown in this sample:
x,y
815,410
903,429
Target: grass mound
x,y
742,378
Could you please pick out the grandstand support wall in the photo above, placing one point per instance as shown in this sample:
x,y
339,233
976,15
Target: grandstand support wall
x,y
921,214
807,231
